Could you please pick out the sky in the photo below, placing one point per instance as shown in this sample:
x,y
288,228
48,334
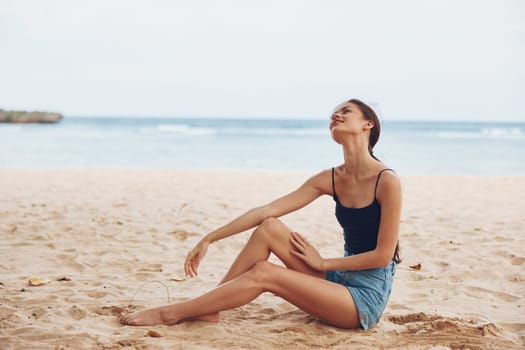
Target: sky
x,y
410,59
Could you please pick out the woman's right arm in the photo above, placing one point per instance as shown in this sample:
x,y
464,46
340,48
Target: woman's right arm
x,y
313,188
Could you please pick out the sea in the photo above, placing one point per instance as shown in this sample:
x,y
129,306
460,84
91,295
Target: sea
x,y
409,147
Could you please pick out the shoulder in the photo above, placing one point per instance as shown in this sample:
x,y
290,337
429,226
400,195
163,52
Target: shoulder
x,y
322,181
389,175
389,185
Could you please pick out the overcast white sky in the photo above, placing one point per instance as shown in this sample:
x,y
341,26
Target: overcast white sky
x,y
414,59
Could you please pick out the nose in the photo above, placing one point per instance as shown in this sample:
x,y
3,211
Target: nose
x,y
335,116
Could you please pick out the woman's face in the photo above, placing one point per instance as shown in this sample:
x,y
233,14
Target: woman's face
x,y
347,119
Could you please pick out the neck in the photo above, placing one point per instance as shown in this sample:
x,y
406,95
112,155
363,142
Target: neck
x,y
358,161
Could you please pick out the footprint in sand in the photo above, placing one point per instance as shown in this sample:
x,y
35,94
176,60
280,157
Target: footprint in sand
x,y
9,317
55,215
97,294
69,260
182,235
112,310
501,295
38,312
76,313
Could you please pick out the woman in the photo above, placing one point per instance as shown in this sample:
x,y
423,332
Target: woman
x,y
347,292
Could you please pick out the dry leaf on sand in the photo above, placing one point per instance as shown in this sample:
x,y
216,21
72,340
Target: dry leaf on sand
x,y
36,281
154,334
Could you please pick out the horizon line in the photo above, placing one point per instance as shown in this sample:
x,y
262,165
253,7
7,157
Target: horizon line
x,y
287,118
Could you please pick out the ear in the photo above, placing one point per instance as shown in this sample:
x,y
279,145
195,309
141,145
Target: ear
x,y
368,125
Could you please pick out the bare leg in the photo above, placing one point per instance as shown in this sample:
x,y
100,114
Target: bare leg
x,y
325,300
272,236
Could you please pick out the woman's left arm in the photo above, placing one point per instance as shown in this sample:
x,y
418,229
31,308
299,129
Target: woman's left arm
x,y
389,197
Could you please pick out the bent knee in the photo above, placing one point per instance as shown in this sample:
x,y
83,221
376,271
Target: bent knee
x,y
271,223
273,228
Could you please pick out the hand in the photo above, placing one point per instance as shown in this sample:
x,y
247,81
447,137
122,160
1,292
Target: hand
x,y
306,252
194,258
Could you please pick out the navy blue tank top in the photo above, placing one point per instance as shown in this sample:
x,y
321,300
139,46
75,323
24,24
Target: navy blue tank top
x,y
360,225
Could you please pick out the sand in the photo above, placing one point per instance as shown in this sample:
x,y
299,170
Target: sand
x,y
112,240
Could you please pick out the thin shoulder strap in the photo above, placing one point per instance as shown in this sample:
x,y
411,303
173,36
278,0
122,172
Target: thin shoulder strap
x,y
378,176
333,185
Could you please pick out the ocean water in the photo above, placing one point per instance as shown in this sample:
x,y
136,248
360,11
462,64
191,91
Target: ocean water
x,y
412,148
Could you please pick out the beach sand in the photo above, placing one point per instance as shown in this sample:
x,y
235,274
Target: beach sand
x,y
106,241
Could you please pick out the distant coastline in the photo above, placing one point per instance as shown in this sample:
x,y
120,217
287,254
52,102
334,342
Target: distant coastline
x,y
29,117
411,148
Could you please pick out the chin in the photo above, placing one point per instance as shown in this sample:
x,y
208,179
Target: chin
x,y
336,139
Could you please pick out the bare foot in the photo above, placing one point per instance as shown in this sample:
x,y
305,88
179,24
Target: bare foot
x,y
148,317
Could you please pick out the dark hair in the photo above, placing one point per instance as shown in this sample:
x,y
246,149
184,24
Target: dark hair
x,y
370,114
397,258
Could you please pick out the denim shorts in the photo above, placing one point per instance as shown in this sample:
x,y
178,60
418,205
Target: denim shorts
x,y
370,290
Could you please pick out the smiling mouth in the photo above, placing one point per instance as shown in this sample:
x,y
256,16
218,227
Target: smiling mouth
x,y
335,123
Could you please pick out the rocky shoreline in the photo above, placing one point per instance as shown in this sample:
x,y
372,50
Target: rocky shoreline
x,y
29,117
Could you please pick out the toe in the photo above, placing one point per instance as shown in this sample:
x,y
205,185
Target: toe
x,y
123,319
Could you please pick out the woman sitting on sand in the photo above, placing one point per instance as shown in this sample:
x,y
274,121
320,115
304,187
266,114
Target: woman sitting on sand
x,y
347,292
